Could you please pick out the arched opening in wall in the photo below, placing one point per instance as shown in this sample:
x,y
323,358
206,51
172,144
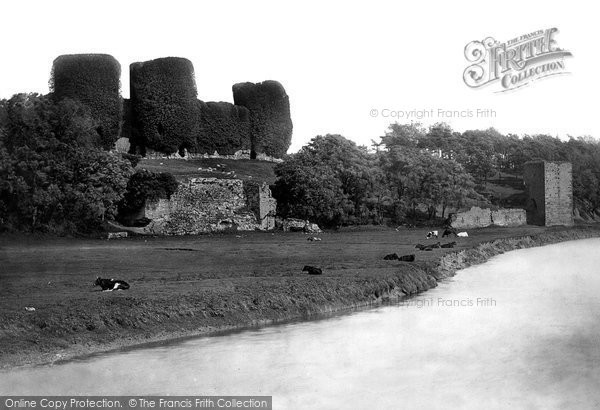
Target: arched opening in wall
x,y
182,151
252,154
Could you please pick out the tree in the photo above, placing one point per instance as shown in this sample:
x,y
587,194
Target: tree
x,y
419,179
52,178
404,135
308,191
330,180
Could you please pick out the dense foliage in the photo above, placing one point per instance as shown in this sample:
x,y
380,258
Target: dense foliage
x,y
487,153
420,179
52,176
331,181
147,186
126,120
94,80
223,127
334,182
270,120
163,104
423,173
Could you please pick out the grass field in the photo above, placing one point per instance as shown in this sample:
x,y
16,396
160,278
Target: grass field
x,y
261,171
184,286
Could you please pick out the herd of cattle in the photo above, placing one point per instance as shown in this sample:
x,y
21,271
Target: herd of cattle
x,y
117,284
448,231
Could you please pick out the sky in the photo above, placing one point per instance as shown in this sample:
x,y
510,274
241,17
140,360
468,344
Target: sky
x,y
349,68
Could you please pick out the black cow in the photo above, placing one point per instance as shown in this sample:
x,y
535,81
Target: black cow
x,y
312,270
391,257
407,258
448,232
449,245
430,247
111,284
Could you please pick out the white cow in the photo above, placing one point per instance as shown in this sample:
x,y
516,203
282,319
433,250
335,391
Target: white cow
x,y
432,234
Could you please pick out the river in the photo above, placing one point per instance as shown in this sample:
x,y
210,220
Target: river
x,y
522,330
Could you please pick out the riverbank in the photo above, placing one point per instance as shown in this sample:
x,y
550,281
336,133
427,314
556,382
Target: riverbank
x,y
191,286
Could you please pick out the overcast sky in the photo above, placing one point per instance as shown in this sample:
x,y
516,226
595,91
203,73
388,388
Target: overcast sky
x,y
338,61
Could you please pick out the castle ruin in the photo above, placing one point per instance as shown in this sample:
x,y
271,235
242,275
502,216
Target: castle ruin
x,y
202,205
549,187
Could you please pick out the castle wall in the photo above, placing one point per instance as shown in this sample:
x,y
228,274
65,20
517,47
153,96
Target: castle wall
x,y
481,217
473,218
559,193
534,180
260,201
549,187
203,205
241,154
509,217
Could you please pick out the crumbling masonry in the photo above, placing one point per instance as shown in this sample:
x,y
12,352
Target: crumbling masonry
x,y
549,187
203,205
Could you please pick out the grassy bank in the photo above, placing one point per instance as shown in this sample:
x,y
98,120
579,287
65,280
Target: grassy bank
x,y
197,285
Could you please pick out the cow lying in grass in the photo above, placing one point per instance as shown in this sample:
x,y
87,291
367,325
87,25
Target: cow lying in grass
x,y
311,270
404,258
111,284
428,247
448,232
432,234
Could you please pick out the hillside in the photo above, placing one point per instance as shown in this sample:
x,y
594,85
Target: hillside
x,y
245,169
506,190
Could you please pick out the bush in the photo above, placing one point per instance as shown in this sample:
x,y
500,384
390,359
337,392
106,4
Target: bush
x,y
147,186
132,158
164,107
330,181
52,178
271,123
94,80
223,127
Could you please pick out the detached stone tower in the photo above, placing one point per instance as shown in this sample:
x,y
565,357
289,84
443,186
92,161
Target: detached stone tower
x,y
549,187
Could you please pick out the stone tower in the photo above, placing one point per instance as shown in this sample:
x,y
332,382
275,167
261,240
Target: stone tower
x,y
549,187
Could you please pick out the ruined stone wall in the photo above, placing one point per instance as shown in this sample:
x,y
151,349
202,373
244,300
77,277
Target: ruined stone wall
x,y
261,202
549,188
481,217
185,155
534,180
473,218
203,205
559,193
509,217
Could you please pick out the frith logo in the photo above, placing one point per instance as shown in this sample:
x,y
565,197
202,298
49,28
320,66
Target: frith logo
x,y
514,63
